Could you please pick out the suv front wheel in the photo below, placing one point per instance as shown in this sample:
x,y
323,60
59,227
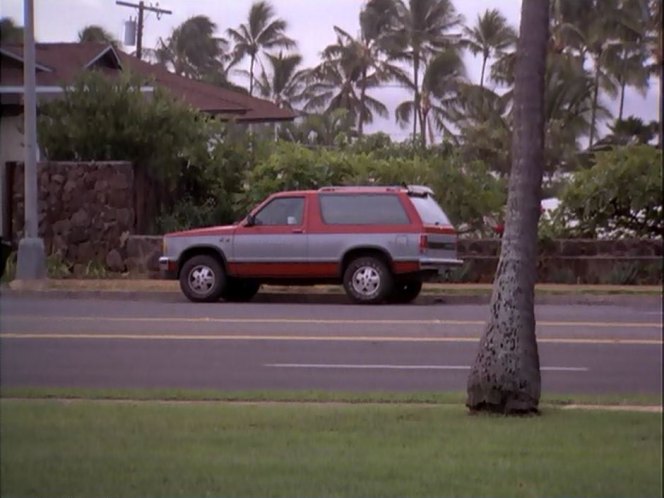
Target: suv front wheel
x,y
368,280
202,279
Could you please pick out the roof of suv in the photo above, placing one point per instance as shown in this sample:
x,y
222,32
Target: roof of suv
x,y
366,189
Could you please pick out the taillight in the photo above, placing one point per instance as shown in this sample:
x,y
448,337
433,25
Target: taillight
x,y
424,243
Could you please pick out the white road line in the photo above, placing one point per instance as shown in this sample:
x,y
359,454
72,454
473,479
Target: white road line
x,y
322,321
402,367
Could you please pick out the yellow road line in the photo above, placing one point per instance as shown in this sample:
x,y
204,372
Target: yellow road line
x,y
315,321
341,338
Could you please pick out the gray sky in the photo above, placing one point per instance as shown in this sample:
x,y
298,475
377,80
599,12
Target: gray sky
x,y
310,24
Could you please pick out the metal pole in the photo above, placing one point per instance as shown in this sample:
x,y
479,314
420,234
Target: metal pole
x,y
31,260
139,35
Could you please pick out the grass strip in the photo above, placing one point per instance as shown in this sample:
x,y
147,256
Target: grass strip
x,y
311,396
53,448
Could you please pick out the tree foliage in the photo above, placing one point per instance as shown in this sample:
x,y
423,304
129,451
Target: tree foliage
x,y
99,119
468,192
97,34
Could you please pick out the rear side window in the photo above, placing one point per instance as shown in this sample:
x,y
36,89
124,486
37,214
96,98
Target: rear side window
x,y
362,209
429,210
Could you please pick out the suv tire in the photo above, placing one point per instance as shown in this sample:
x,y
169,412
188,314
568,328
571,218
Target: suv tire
x,y
238,290
368,280
202,279
405,291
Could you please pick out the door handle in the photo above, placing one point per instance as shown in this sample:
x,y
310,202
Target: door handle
x,y
298,230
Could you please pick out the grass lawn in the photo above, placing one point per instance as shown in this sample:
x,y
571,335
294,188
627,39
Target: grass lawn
x,y
152,448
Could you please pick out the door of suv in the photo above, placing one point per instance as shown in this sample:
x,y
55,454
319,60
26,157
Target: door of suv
x,y
276,244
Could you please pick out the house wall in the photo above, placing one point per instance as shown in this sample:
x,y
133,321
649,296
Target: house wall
x,y
11,149
85,211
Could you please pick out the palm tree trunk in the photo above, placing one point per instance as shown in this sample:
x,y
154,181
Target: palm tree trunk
x,y
661,90
363,93
593,113
622,100
483,69
505,376
423,129
251,75
416,96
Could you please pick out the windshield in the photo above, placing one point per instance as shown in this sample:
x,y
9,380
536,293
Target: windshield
x,y
429,210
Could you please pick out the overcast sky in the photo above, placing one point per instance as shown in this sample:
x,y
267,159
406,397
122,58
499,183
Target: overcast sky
x,y
310,23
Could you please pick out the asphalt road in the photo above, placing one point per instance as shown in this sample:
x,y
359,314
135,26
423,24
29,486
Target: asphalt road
x,y
147,344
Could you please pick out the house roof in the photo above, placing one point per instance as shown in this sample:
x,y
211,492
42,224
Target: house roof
x,y
58,64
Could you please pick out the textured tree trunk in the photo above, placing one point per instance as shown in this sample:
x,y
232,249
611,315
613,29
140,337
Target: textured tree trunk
x,y
505,376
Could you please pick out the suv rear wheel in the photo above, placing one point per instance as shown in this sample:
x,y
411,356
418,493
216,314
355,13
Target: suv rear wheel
x,y
368,280
238,290
202,279
405,291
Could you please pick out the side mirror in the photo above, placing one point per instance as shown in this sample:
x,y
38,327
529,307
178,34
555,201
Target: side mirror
x,y
251,220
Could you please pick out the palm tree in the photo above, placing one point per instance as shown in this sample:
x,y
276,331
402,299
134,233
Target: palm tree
x,y
590,28
365,63
505,376
10,32
568,109
629,131
194,51
655,45
333,84
483,119
284,85
261,32
627,64
491,37
95,33
421,28
441,82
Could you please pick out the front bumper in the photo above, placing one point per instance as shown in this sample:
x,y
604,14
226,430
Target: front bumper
x,y
168,267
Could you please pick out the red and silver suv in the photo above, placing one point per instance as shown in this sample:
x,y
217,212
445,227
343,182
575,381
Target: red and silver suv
x,y
381,243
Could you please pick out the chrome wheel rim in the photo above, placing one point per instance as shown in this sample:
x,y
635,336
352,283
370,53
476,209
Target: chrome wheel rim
x,y
366,281
201,279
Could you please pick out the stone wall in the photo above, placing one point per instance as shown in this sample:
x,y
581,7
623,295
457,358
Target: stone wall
x,y
561,261
629,261
85,211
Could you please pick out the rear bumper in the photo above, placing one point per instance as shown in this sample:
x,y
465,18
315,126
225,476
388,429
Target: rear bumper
x,y
438,263
168,268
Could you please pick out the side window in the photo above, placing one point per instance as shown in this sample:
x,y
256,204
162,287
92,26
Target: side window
x,y
282,211
362,209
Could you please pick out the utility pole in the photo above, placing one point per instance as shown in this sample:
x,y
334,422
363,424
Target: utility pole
x,y
31,259
141,10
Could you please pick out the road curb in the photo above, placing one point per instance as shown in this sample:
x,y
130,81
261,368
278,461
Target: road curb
x,y
332,298
543,406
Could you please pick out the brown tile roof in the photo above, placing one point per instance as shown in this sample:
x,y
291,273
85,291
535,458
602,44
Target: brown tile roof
x,y
59,63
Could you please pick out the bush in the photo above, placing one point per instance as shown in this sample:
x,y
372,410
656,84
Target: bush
x,y
620,196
